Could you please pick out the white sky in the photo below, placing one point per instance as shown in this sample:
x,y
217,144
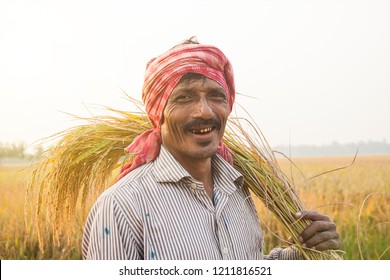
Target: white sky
x,y
320,70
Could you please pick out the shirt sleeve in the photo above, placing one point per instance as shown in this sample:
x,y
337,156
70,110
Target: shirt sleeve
x,y
289,253
107,235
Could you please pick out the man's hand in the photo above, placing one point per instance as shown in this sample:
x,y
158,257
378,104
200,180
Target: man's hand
x,y
321,234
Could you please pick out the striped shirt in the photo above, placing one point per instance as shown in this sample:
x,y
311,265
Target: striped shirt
x,y
159,212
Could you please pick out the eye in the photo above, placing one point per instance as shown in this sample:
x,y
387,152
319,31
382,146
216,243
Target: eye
x,y
218,95
184,97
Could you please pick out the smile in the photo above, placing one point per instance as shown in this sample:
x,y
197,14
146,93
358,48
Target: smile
x,y
202,130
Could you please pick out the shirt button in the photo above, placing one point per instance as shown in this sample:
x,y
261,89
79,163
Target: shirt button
x,y
225,251
193,185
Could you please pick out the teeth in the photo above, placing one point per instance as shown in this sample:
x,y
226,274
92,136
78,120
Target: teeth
x,y
203,130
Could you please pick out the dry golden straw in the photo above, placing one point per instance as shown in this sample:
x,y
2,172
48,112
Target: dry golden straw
x,y
83,162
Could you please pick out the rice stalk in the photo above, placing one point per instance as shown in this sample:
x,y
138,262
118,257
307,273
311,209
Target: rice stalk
x,y
80,165
254,159
83,161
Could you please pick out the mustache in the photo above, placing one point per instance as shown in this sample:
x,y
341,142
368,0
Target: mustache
x,y
202,123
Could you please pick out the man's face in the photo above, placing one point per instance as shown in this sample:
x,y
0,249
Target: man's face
x,y
194,118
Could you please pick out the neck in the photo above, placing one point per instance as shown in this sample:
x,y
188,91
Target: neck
x,y
200,170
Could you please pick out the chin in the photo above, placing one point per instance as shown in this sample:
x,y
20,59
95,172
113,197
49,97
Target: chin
x,y
204,152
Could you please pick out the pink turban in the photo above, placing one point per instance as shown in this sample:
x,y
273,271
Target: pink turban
x,y
162,75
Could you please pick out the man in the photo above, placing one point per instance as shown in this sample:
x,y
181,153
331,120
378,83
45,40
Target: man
x,y
180,198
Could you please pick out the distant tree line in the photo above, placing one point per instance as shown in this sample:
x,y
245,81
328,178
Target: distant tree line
x,y
19,151
336,149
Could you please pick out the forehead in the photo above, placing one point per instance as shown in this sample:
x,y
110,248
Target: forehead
x,y
192,81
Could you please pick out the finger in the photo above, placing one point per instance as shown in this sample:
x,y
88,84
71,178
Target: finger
x,y
332,244
316,228
322,239
311,215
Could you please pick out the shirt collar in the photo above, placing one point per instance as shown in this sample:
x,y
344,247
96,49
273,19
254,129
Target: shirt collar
x,y
225,174
168,169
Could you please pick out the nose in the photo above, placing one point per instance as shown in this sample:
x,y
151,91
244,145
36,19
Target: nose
x,y
203,109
